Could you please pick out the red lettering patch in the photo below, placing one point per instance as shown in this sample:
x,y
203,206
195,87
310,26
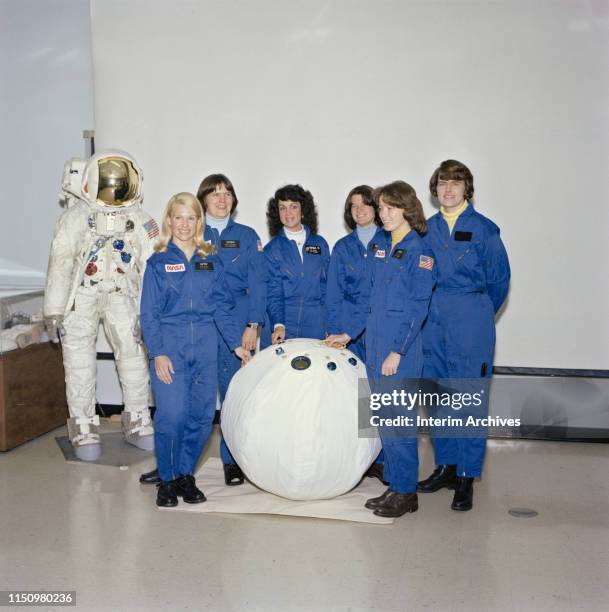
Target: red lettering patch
x,y
175,267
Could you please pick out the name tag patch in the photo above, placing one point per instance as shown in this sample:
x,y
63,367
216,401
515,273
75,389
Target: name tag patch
x,y
463,236
313,250
399,253
230,244
204,265
426,262
380,253
175,267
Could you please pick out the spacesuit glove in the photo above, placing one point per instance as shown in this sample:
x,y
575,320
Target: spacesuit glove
x,y
244,355
54,327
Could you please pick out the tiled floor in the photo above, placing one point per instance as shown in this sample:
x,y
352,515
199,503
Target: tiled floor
x,y
95,529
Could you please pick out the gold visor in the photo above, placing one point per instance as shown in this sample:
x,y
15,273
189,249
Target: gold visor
x,y
118,181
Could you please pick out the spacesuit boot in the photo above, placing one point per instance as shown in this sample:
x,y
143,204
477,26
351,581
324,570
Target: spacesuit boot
x,y
84,436
137,429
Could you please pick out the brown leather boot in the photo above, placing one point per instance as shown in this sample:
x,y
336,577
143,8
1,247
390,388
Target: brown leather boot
x,y
374,502
397,504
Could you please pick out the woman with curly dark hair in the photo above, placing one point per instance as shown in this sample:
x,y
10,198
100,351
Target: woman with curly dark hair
x,y
347,272
297,264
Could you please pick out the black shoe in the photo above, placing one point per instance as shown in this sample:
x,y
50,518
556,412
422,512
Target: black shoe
x,y
233,475
443,476
464,495
188,491
166,495
397,504
376,471
374,502
151,477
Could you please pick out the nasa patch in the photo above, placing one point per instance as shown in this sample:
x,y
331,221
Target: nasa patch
x,y
179,267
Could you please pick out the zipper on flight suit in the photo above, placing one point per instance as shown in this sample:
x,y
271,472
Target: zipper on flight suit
x,y
301,257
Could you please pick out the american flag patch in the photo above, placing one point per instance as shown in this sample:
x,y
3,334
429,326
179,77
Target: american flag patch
x,y
259,246
426,262
152,228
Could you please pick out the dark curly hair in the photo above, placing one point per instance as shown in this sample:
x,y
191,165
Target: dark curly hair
x,y
401,195
209,184
368,198
295,193
452,170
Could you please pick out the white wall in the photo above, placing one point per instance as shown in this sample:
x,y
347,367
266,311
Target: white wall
x,y
336,93
46,102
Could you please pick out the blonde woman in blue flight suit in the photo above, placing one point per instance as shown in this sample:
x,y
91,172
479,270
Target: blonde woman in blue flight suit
x,y
185,297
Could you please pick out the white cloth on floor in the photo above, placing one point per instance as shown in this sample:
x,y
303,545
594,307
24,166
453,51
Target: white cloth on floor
x,y
248,499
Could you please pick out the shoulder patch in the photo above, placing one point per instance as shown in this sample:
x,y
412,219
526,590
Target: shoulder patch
x,y
179,267
426,262
259,246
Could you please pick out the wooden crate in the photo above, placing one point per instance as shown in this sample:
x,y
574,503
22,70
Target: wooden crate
x,y
32,393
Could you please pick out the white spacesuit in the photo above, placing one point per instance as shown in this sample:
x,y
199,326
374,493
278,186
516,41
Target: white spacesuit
x,y
99,250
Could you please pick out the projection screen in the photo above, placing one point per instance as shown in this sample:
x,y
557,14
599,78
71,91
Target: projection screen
x,y
332,94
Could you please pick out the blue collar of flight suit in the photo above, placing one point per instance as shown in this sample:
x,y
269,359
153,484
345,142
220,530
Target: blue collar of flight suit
x,y
379,239
380,232
409,237
174,248
384,242
307,230
468,212
210,233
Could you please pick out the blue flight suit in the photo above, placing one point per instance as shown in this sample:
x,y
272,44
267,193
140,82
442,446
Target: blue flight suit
x,y
459,336
240,251
182,303
296,288
402,284
346,274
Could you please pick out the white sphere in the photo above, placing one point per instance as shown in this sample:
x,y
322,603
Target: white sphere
x,y
290,419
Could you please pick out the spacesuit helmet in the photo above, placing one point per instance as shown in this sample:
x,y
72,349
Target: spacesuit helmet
x,y
112,180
